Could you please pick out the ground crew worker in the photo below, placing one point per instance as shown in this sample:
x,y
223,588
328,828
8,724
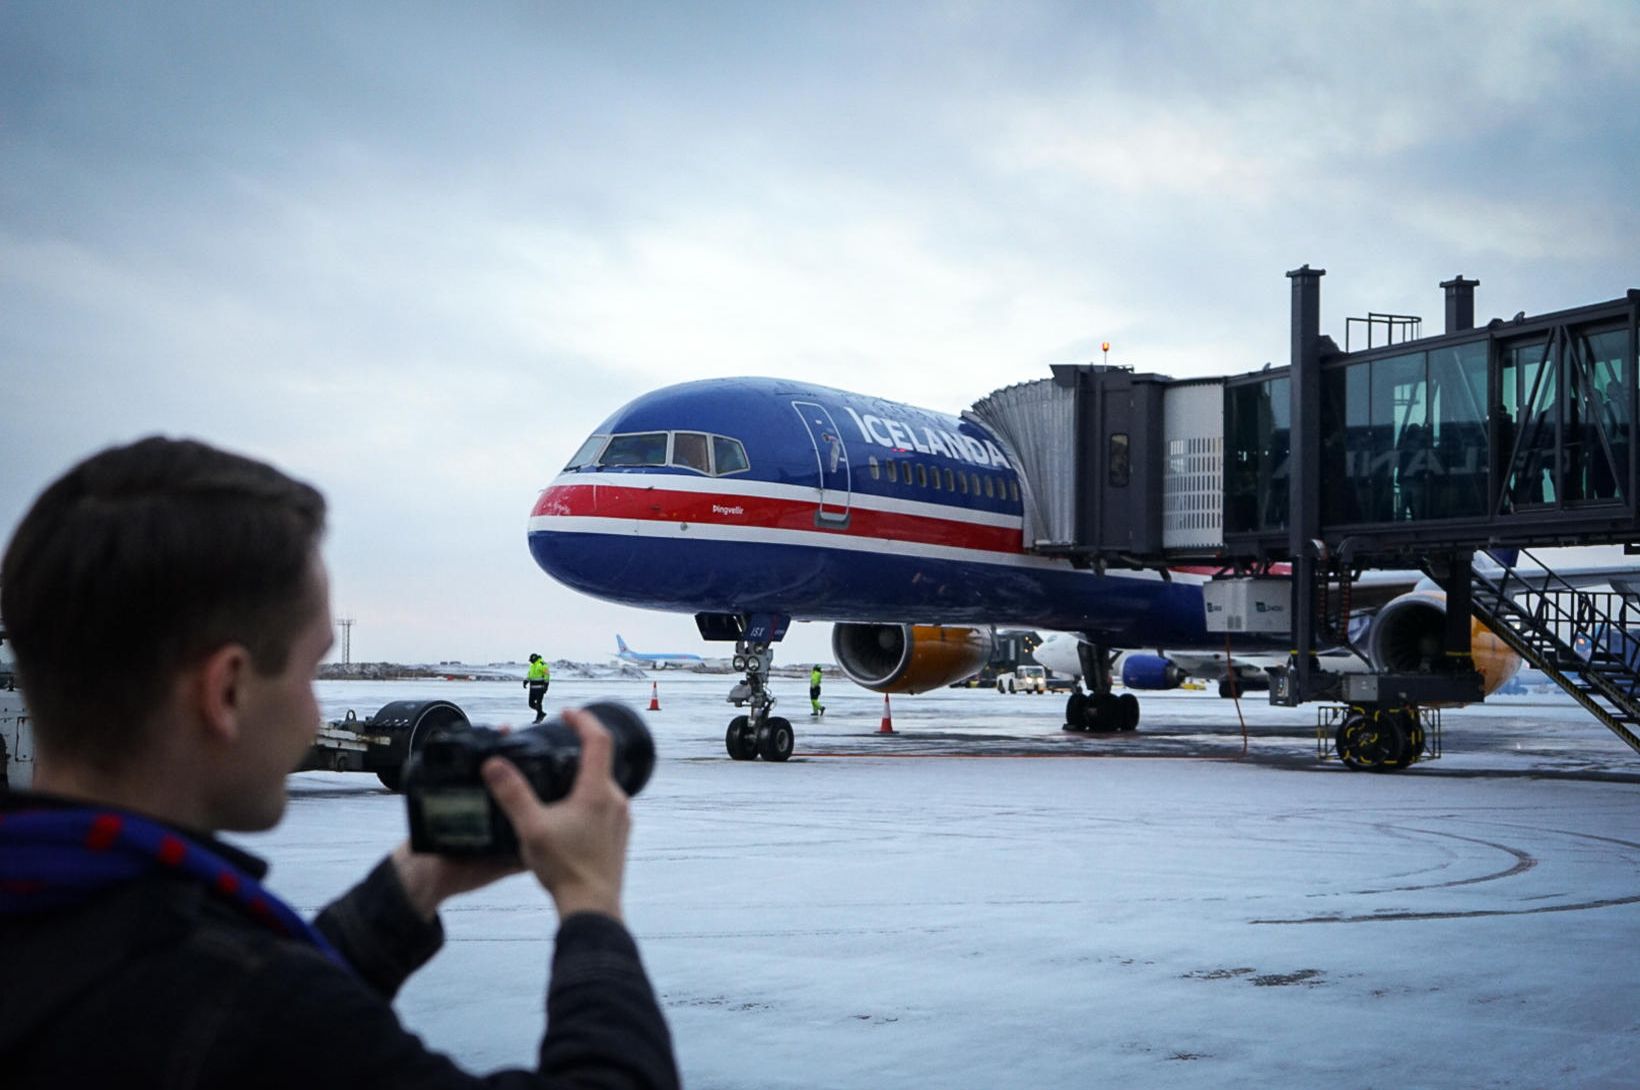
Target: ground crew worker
x,y
536,681
816,708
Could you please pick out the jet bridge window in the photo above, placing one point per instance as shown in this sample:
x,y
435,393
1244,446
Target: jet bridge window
x,y
640,449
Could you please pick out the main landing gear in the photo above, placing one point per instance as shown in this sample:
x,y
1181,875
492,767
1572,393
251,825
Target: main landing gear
x,y
756,734
1100,711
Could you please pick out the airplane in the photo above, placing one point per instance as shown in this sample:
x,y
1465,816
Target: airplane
x,y
751,502
1163,669
658,660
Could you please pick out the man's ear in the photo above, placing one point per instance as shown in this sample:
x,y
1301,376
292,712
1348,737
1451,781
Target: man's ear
x,y
217,690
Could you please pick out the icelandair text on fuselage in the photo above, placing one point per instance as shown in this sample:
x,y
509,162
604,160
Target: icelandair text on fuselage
x,y
897,436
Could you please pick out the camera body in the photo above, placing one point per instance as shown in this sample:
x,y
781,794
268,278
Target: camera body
x,y
451,811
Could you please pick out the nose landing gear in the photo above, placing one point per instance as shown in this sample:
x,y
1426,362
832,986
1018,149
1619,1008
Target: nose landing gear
x,y
758,733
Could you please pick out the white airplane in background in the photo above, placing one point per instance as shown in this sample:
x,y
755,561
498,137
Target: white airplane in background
x,y
657,660
1168,669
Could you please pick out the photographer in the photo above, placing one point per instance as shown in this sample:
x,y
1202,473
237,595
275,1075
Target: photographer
x,y
141,951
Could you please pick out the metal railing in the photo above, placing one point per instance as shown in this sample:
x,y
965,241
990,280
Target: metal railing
x,y
1587,642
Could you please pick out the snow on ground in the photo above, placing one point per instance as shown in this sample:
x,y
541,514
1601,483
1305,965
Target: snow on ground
x,y
972,903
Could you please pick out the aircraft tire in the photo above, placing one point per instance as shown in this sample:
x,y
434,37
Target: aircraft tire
x,y
1228,688
738,739
1076,712
391,778
1127,708
775,739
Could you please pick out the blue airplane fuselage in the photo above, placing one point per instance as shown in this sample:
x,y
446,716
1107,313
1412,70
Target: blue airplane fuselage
x,y
766,496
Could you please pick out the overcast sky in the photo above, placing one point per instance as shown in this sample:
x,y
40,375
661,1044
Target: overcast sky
x,y
414,253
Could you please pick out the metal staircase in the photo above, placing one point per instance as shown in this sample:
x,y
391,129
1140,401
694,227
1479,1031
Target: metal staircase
x,y
1587,642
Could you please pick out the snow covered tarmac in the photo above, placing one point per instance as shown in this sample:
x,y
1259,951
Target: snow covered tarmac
x,y
917,917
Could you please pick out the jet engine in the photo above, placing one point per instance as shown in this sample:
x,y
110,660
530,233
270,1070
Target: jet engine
x,y
1408,636
909,658
1141,671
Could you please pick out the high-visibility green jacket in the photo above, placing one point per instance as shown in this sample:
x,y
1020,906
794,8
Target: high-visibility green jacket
x,y
539,671
814,676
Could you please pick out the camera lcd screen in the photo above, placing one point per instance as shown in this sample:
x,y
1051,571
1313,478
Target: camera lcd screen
x,y
457,817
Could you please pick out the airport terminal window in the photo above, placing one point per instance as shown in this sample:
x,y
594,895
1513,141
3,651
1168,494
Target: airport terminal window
x,y
1120,469
1460,456
690,450
728,455
1400,405
1598,408
1529,418
640,449
1257,429
588,454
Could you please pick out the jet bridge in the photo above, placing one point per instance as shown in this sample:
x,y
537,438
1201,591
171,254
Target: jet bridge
x,y
1411,452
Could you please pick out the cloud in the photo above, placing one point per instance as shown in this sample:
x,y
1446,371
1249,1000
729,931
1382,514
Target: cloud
x,y
416,253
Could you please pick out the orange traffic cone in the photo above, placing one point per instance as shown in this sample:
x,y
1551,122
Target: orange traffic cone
x,y
654,696
888,719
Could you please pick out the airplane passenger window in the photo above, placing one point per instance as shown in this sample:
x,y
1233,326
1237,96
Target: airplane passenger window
x,y
950,484
640,449
689,451
588,454
935,476
1013,491
962,479
876,470
729,455
893,470
922,476
990,488
975,477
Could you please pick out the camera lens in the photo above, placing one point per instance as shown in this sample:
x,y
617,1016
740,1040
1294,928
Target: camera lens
x,y
634,745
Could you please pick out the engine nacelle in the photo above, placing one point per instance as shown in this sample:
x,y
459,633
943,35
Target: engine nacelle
x,y
1409,635
1150,672
909,658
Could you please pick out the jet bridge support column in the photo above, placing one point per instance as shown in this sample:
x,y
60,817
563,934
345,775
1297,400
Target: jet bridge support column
x,y
1304,473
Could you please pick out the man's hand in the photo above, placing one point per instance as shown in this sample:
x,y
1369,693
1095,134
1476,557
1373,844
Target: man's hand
x,y
429,879
576,847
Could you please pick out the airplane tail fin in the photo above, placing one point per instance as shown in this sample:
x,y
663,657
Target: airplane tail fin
x,y
620,644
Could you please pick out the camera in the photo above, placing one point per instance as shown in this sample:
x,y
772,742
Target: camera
x,y
451,811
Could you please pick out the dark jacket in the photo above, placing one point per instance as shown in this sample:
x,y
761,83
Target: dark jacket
x,y
158,983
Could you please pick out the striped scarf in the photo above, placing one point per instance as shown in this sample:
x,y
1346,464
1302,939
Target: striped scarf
x,y
55,858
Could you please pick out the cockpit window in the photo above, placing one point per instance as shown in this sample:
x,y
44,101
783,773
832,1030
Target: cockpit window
x,y
642,449
588,453
729,455
714,455
689,451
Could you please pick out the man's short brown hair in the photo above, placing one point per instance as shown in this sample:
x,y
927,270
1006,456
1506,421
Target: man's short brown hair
x,y
139,561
